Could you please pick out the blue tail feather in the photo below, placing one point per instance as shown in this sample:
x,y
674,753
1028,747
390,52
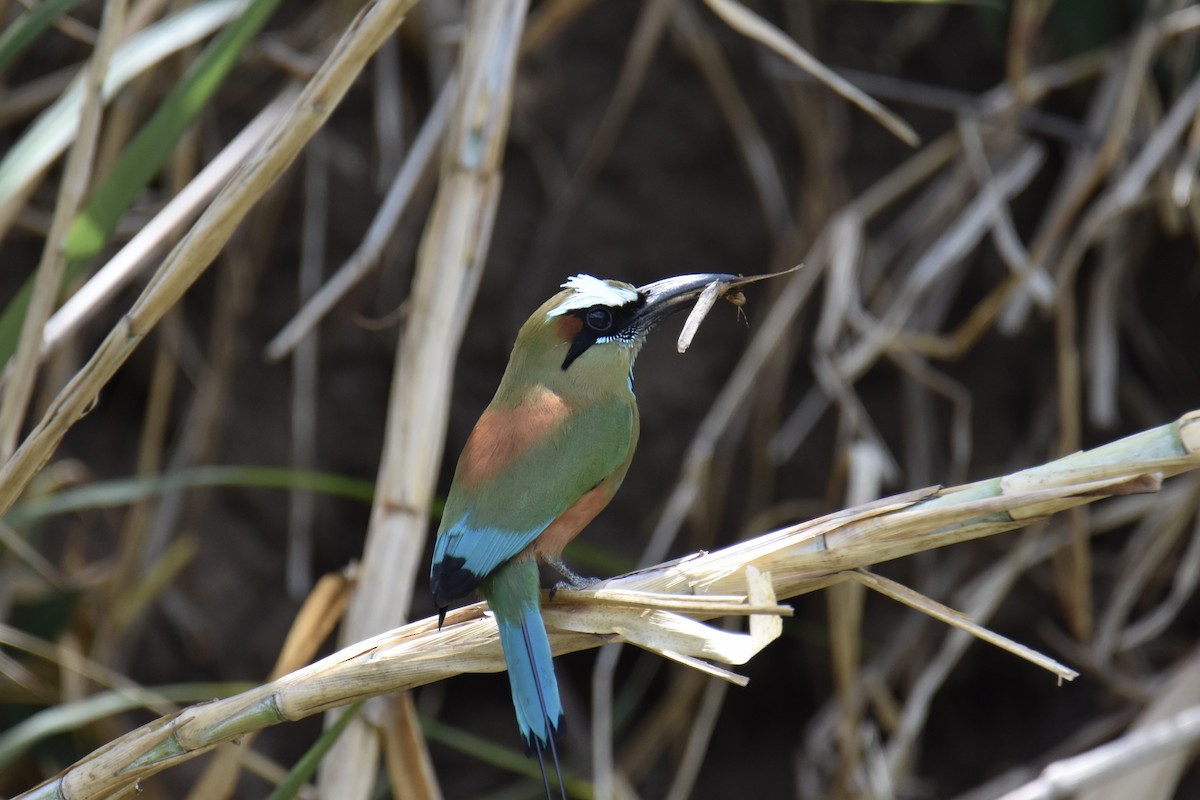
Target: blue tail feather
x,y
512,593
531,676
554,729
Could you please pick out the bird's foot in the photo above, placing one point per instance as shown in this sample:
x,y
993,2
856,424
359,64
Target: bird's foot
x,y
573,582
573,586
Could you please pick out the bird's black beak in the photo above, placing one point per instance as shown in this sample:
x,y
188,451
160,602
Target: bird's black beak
x,y
665,297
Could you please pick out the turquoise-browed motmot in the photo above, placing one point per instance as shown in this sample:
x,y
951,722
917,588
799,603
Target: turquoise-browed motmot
x,y
546,456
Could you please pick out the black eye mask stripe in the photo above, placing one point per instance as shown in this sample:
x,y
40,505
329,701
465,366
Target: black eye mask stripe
x,y
623,318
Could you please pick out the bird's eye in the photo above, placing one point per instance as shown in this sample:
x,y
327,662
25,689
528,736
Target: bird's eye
x,y
599,319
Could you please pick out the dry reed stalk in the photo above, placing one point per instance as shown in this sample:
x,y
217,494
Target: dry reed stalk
x,y
965,169
743,579
193,255
18,389
167,224
746,22
760,161
814,552
450,263
1110,770
313,624
24,165
417,162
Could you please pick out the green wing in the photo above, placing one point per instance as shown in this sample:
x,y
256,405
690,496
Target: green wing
x,y
484,527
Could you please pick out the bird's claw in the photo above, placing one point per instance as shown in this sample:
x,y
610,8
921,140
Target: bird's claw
x,y
575,583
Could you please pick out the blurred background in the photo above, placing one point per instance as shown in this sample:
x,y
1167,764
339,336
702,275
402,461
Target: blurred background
x,y
1017,282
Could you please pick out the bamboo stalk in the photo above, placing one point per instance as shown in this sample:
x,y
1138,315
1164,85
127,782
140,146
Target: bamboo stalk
x,y
787,562
193,255
18,390
450,264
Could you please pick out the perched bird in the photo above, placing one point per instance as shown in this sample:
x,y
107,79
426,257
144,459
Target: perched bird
x,y
544,459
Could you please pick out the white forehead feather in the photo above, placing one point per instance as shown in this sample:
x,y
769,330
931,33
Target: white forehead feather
x,y
587,291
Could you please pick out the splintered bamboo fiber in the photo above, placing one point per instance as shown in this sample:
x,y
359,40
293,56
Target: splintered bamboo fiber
x,y
661,608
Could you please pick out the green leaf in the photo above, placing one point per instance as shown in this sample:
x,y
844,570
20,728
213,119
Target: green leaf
x,y
51,133
12,319
29,26
108,494
149,149
308,763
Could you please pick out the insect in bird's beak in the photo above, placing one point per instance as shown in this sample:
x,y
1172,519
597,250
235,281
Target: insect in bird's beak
x,y
665,297
726,286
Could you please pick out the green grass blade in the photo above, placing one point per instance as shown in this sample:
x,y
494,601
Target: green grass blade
x,y
29,26
150,148
11,319
109,494
308,763
67,717
52,132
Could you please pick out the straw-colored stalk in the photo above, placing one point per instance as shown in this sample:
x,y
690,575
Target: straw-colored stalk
x,y
662,608
193,255
17,391
449,264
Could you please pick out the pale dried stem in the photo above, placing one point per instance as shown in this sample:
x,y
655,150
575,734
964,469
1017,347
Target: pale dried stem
x,y
90,299
746,22
1137,749
761,164
306,371
370,252
799,559
449,266
76,180
192,256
